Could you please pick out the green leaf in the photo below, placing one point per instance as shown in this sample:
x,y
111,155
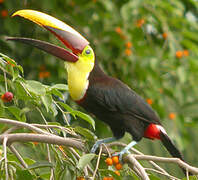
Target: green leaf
x,y
84,160
86,117
65,106
63,87
82,115
29,161
47,101
24,174
85,132
57,93
40,164
190,178
17,113
35,87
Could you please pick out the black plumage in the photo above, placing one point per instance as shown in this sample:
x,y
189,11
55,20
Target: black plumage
x,y
113,102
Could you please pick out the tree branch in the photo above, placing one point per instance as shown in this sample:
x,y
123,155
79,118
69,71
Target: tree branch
x,y
25,125
134,163
181,163
46,137
30,137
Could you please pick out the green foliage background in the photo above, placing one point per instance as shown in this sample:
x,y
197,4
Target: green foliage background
x,y
152,70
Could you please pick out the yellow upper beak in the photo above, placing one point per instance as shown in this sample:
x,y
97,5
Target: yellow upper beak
x,y
71,38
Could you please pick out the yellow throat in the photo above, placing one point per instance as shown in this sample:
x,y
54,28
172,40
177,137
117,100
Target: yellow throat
x,y
78,73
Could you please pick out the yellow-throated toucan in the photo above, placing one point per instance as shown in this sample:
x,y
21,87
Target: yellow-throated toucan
x,y
107,98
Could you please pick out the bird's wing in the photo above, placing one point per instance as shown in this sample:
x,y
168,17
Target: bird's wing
x,y
115,96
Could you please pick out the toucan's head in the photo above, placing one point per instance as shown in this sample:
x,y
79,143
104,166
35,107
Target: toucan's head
x,y
80,61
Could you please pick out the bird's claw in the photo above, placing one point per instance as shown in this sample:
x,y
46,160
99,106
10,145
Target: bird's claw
x,y
120,154
96,145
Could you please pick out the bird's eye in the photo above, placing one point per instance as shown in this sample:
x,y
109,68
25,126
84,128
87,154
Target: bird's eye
x,y
88,51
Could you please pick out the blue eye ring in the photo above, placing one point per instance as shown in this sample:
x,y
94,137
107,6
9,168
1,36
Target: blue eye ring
x,y
88,51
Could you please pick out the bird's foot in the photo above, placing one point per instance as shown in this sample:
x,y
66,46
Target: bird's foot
x,y
125,150
121,153
99,142
96,145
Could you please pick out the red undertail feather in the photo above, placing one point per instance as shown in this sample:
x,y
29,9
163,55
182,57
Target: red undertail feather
x,y
152,131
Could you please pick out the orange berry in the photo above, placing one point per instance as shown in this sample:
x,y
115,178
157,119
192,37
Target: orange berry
x,y
47,74
161,90
179,54
172,115
10,63
185,52
1,1
105,178
128,52
61,148
118,30
149,101
140,22
35,143
4,13
110,178
115,159
109,162
128,44
165,35
80,178
118,166
117,172
44,74
41,74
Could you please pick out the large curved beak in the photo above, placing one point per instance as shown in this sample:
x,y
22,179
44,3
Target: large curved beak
x,y
66,34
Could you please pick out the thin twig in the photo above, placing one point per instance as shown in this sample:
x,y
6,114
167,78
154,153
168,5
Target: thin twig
x,y
43,117
187,174
50,161
178,161
10,130
159,172
5,79
67,130
25,125
5,139
97,164
108,152
62,112
16,153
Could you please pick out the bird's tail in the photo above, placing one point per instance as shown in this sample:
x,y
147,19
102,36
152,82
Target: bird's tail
x,y
172,149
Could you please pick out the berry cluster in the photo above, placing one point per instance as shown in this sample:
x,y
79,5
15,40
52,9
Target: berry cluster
x,y
113,161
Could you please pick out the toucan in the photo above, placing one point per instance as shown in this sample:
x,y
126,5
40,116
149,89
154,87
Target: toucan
x,y
109,99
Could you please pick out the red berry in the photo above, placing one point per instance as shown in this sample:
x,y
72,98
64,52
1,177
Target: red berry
x,y
7,97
